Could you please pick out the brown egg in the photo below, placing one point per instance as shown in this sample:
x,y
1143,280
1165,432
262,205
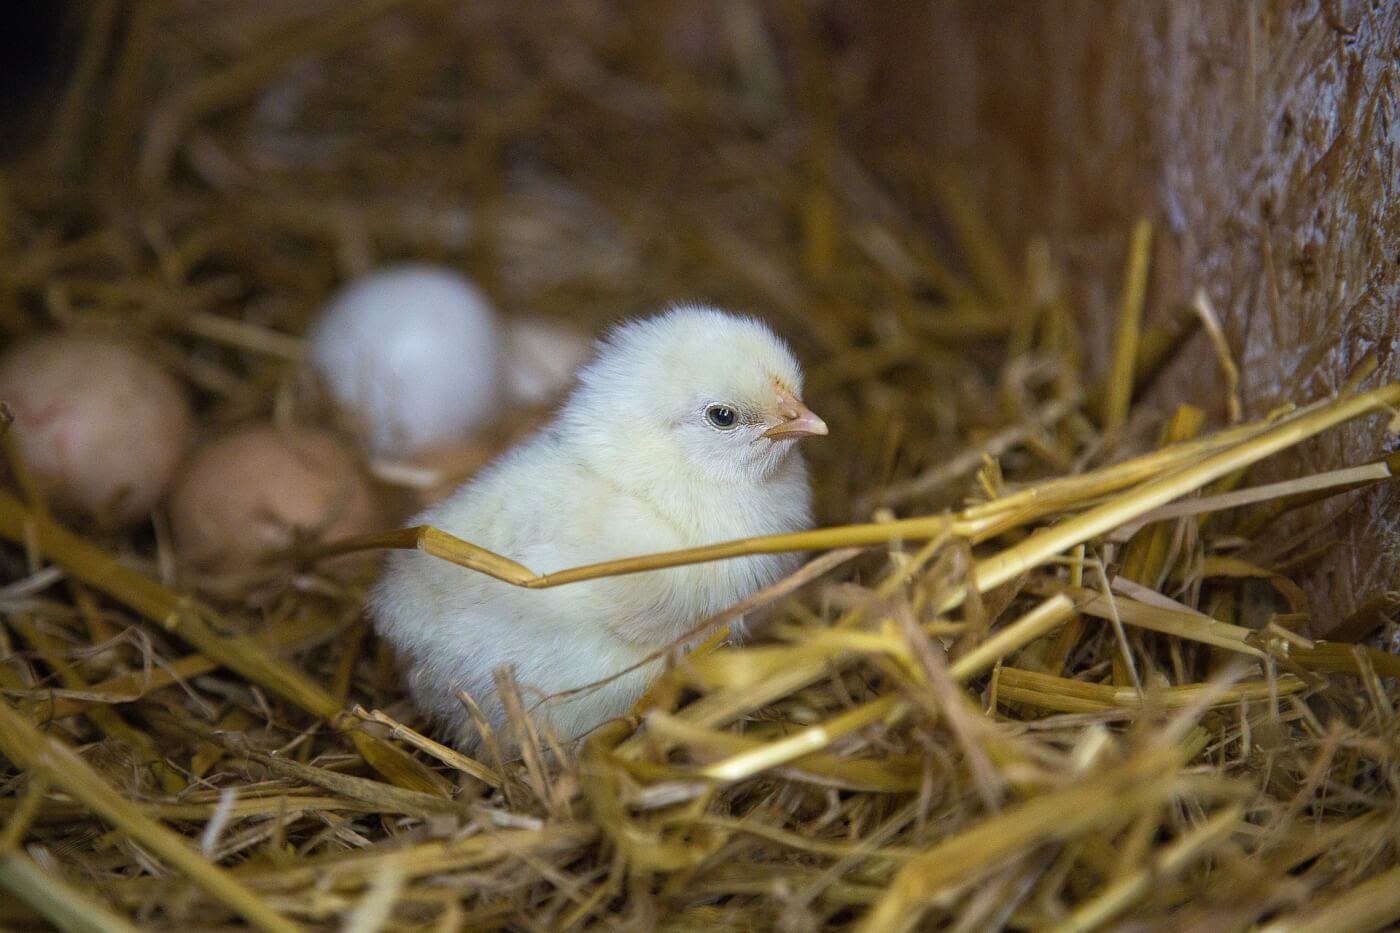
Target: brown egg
x,y
442,470
101,427
259,489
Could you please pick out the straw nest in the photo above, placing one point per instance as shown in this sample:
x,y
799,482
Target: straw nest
x,y
1055,676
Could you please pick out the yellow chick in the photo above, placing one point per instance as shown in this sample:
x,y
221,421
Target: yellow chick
x,y
679,432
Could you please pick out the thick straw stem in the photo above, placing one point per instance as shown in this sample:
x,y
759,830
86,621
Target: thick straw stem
x,y
1332,482
1118,396
442,545
1065,695
1048,542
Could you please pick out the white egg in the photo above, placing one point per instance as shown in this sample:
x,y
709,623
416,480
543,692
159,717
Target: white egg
x,y
412,354
541,359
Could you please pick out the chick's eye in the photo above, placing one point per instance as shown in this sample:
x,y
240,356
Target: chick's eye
x,y
721,416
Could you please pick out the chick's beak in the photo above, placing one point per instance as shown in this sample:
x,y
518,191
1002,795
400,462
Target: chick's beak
x,y
797,419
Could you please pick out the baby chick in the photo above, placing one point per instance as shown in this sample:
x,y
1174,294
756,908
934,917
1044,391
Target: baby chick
x,y
680,432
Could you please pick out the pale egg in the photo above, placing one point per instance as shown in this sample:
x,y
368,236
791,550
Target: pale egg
x,y
411,354
541,359
99,426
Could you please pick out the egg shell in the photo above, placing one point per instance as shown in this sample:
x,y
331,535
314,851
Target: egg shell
x,y
411,355
259,489
541,359
101,427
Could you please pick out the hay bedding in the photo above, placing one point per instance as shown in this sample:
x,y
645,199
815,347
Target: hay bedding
x,y
1028,691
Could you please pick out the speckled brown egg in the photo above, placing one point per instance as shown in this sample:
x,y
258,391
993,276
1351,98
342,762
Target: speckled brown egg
x,y
101,427
260,489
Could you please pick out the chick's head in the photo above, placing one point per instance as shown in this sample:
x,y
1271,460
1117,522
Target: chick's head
x,y
693,389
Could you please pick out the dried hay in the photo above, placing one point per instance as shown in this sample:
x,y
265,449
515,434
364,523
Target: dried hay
x,y
1084,697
